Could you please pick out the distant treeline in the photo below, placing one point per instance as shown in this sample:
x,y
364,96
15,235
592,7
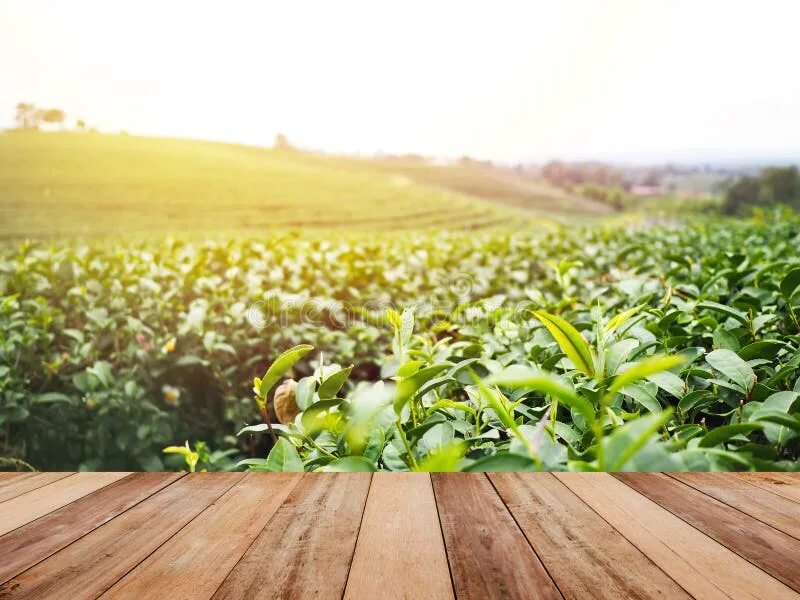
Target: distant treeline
x,y
564,174
773,186
597,181
29,116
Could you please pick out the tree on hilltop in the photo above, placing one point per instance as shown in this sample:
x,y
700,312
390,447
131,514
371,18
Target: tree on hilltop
x,y
54,116
281,142
28,116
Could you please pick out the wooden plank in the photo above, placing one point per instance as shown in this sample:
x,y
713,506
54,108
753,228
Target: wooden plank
x,y
195,562
585,556
703,567
769,508
27,482
400,551
32,543
786,485
7,479
773,551
306,549
34,504
489,555
89,566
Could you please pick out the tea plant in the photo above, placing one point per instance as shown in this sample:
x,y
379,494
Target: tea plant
x,y
599,409
549,349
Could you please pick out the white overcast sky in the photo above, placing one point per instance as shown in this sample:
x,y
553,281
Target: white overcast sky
x,y
630,80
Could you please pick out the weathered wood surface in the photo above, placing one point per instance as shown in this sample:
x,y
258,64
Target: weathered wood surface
x,y
356,535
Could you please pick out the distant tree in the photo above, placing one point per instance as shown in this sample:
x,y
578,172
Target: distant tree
x,y
774,185
556,172
54,116
281,142
652,179
781,185
80,125
26,116
568,175
745,191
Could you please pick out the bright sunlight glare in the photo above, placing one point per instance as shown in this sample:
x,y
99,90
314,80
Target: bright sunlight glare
x,y
636,80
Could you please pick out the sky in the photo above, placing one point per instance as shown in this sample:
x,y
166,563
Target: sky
x,y
632,80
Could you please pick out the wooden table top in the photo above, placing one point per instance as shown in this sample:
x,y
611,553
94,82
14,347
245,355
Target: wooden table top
x,y
399,535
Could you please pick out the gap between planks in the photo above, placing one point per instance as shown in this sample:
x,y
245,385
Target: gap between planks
x,y
564,531
738,531
701,565
400,535
31,505
90,565
39,539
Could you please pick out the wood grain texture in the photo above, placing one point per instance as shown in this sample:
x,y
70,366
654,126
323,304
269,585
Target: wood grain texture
x,y
773,551
489,555
767,507
786,485
702,566
306,549
197,559
400,550
400,535
32,543
31,505
26,482
566,535
89,566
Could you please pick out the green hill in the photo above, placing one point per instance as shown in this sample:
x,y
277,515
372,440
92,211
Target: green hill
x,y
93,184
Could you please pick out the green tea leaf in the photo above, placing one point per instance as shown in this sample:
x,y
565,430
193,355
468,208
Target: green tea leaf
x,y
776,409
350,464
331,386
617,354
280,366
669,382
410,368
717,436
444,459
569,340
643,396
644,369
790,283
725,310
304,392
407,387
189,455
626,441
50,398
518,376
406,326
283,458
619,320
501,462
734,368
766,349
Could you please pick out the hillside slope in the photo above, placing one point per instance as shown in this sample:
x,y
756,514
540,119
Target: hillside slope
x,y
499,185
90,184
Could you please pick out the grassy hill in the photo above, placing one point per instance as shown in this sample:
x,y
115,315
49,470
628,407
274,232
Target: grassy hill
x,y
92,184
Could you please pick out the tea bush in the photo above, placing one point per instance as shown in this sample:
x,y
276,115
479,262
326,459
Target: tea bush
x,y
596,348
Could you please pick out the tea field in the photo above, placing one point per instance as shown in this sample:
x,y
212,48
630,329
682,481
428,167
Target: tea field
x,y
585,348
86,184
